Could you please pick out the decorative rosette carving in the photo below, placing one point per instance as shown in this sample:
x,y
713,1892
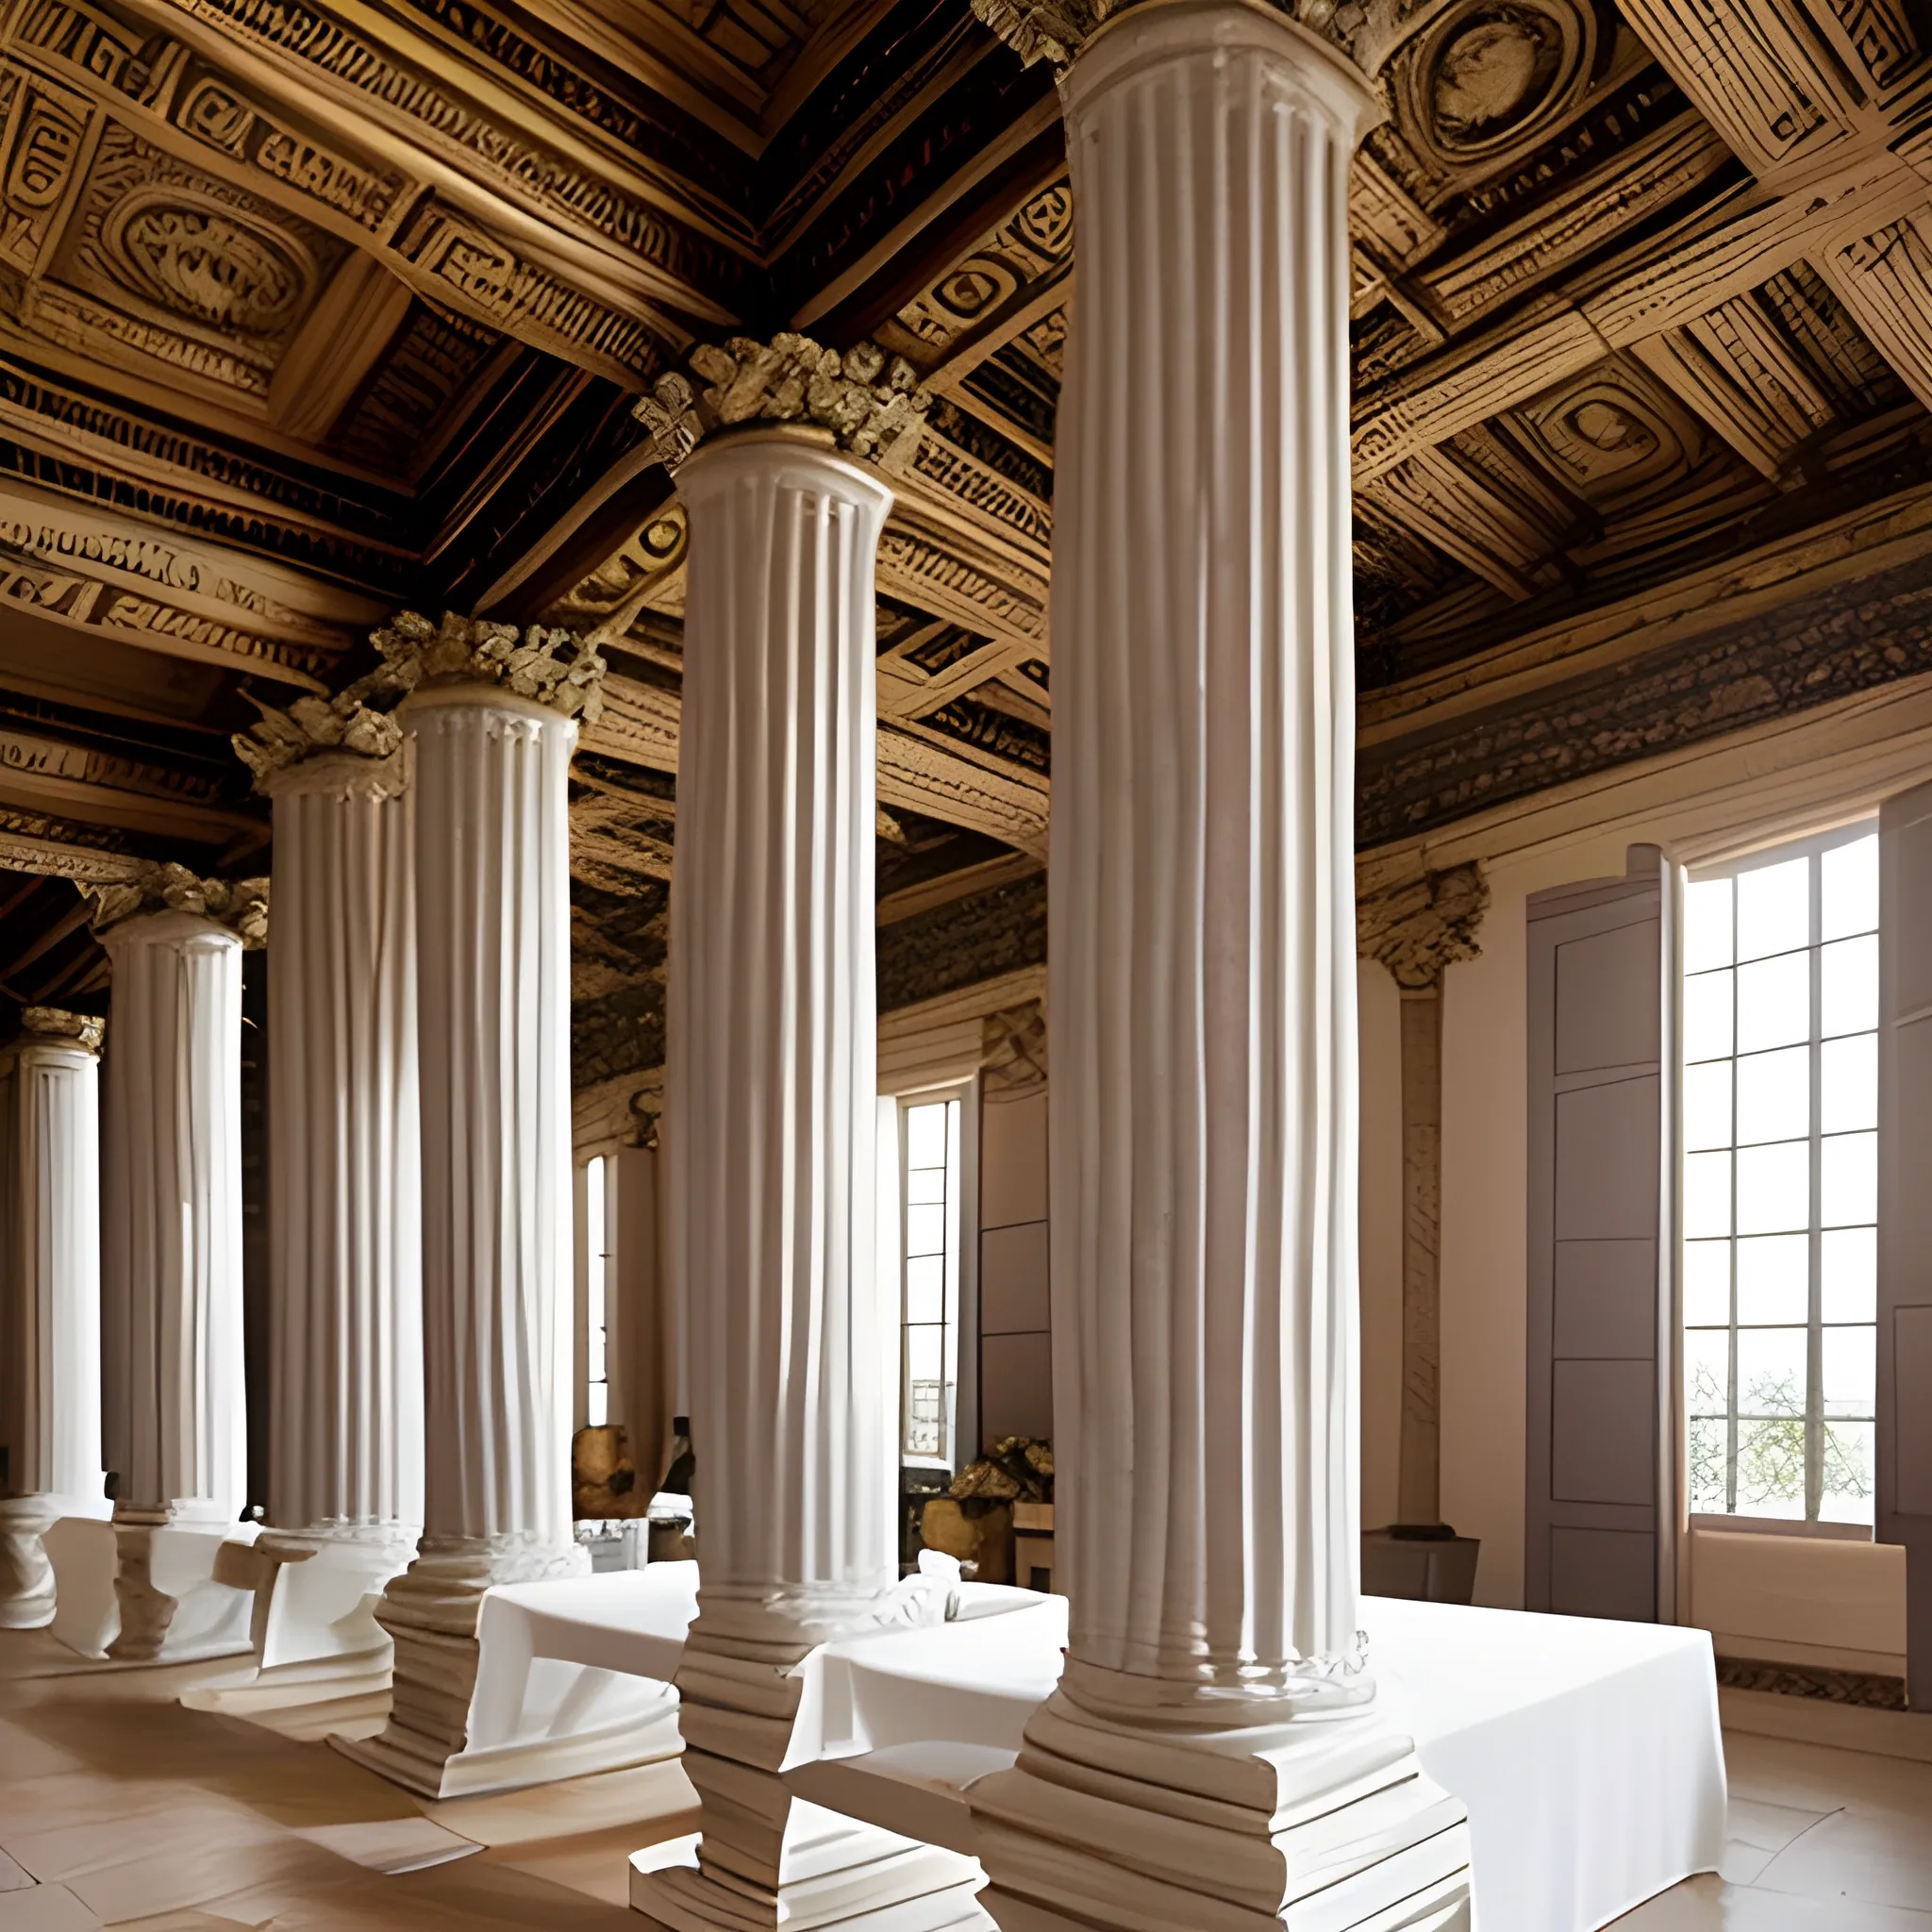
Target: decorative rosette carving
x,y
1419,925
240,905
870,401
57,1023
557,668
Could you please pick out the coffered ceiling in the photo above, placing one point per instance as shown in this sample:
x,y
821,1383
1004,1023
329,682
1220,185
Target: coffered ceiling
x,y
308,310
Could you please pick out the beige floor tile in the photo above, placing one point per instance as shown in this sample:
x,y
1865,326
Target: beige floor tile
x,y
640,1796
45,1908
1778,1770
1709,1905
67,1850
197,1873
597,1863
13,1877
1856,1855
389,1844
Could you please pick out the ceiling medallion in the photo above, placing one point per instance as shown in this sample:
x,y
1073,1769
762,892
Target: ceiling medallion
x,y
203,259
1490,75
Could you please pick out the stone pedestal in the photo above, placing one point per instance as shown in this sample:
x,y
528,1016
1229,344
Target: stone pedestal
x,y
346,1495
1213,1755
489,788
50,1299
770,1092
176,1405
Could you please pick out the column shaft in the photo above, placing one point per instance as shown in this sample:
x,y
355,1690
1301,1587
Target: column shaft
x,y
1203,1106
1420,1485
344,1161
771,1096
171,1223
489,787
50,1310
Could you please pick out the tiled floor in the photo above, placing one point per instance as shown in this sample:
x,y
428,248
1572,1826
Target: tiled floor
x,y
119,1807
1821,1841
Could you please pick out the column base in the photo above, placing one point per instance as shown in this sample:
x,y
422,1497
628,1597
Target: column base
x,y
1322,1825
26,1576
147,1589
314,1631
768,1859
472,1708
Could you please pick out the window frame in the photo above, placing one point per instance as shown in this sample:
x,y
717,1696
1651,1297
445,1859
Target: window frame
x,y
1811,847
959,1340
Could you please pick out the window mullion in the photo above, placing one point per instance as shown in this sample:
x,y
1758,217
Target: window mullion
x,y
1814,1344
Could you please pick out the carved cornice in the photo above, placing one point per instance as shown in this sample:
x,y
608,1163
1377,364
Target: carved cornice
x,y
871,401
557,668
56,1023
240,905
1419,925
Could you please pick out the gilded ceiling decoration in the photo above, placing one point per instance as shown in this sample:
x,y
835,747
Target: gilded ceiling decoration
x,y
312,312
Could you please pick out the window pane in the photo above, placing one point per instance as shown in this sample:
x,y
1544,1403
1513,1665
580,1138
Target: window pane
x,y
926,1135
1849,1274
1774,1279
1775,1095
1848,1083
1708,1016
1851,888
1707,1105
925,1354
1771,1468
1707,1194
598,1404
925,1289
1709,1450
1772,1372
1707,1371
1848,1180
1773,909
925,1185
1851,1371
1773,1188
1774,1001
925,1230
1706,924
1848,1464
1707,1283
1848,986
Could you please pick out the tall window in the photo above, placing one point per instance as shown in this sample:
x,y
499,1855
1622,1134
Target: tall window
x,y
597,1266
1780,1112
929,1129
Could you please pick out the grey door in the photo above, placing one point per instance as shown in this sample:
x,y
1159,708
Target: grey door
x,y
1596,1260
1905,1212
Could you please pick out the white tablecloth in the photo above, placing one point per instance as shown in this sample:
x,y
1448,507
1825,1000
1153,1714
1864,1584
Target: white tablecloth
x,y
1587,1751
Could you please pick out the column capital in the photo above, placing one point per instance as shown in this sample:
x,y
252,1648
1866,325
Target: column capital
x,y
1365,32
870,401
239,905
556,669
56,1027
1418,926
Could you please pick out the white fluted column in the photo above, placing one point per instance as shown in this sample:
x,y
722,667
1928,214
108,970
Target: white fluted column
x,y
490,794
175,1399
1203,1109
50,1299
346,1289
770,1095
